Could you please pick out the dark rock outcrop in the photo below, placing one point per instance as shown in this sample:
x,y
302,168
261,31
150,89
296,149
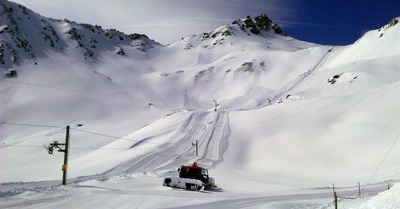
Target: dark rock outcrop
x,y
258,25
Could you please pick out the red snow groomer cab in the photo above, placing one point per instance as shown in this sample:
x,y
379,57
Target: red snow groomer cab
x,y
191,177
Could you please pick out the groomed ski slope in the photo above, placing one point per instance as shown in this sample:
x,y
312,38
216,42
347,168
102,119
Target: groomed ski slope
x,y
166,144
280,128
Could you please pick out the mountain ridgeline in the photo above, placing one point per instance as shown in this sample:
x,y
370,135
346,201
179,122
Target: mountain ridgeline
x,y
27,36
249,51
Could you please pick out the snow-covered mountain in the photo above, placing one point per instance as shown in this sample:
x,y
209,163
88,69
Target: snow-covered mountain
x,y
291,114
28,36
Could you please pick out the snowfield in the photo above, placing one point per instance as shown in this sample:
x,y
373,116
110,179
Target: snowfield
x,y
144,191
292,117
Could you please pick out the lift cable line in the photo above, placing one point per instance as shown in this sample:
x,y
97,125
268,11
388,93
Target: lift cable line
x,y
63,127
76,148
22,146
99,134
353,196
113,137
30,125
380,164
76,91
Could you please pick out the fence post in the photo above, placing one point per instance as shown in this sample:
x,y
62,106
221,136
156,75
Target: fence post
x,y
336,205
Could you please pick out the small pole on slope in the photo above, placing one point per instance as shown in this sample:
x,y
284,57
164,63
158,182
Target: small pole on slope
x,y
359,190
215,104
336,203
197,147
334,195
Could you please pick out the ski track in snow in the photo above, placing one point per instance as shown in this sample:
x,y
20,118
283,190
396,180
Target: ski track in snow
x,y
211,129
217,141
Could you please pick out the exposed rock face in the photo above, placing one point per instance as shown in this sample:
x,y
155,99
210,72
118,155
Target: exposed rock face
x,y
9,50
391,23
11,74
247,67
258,25
248,23
26,35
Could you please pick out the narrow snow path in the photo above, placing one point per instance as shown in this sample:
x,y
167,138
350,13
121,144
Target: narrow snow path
x,y
215,143
290,86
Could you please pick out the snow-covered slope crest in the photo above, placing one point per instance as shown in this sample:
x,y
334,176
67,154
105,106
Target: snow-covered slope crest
x,y
379,43
26,35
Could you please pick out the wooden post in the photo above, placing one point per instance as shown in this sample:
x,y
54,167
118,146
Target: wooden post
x,y
388,185
359,190
336,203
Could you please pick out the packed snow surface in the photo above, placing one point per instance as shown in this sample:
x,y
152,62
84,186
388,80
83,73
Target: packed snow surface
x,y
292,117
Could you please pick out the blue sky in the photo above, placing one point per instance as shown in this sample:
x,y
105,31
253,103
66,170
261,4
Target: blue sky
x,y
341,22
336,22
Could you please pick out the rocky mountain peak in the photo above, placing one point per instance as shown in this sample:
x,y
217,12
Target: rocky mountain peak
x,y
258,25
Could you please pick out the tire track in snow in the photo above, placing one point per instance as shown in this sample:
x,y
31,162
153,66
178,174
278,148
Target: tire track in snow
x,y
151,160
217,143
211,129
